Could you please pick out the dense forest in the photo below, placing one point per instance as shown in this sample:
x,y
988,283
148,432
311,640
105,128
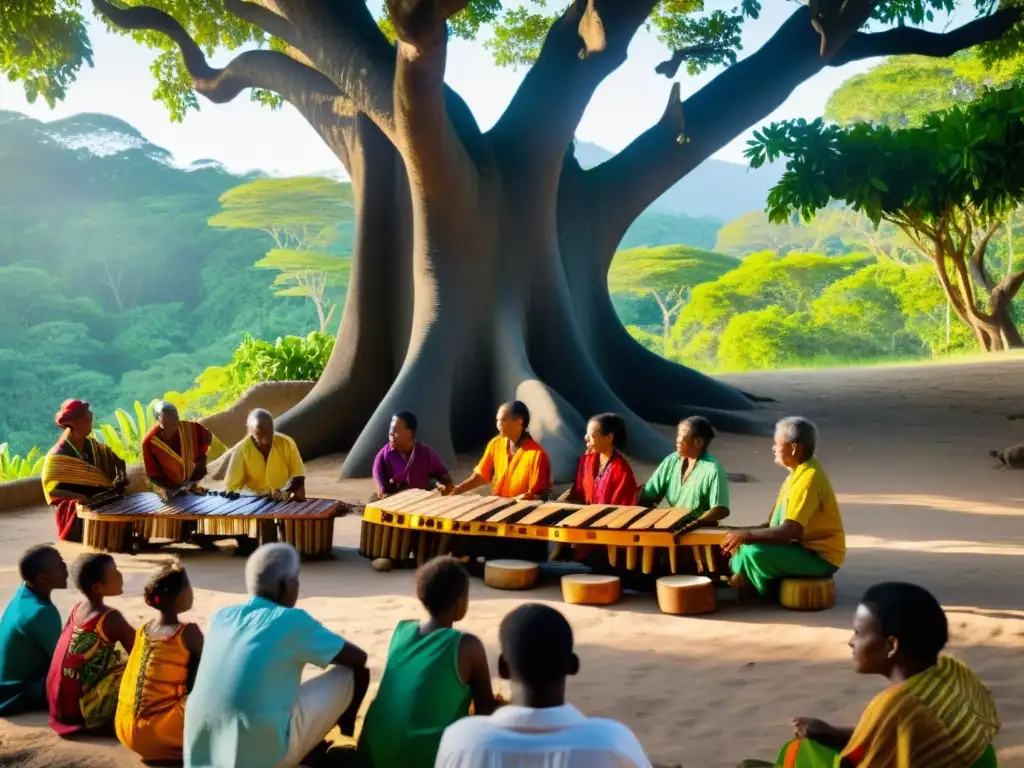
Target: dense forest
x,y
123,277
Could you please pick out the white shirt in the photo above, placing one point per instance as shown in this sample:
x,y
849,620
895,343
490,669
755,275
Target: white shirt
x,y
521,737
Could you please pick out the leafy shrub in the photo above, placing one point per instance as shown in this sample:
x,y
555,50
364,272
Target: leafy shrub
x,y
125,438
290,358
13,467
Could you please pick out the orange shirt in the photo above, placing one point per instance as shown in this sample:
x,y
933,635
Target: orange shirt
x,y
527,471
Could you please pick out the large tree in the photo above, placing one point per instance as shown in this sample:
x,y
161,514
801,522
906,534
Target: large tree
x,y
481,257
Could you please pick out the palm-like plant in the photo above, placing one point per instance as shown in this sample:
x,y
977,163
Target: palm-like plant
x,y
14,467
125,438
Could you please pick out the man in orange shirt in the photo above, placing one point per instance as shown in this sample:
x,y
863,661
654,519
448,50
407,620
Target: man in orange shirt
x,y
513,463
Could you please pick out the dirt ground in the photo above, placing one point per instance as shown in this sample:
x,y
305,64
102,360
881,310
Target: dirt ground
x,y
906,448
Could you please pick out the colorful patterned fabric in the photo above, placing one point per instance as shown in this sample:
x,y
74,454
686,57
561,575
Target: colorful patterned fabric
x,y
70,477
943,717
150,717
84,677
526,470
613,483
175,465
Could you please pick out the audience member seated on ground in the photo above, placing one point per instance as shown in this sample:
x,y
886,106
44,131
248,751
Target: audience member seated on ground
x,y
248,708
936,713
266,461
433,673
513,462
29,631
151,704
406,463
603,476
78,468
804,537
691,478
175,452
538,727
85,673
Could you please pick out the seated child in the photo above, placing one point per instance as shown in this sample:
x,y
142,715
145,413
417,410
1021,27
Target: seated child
x,y
151,705
85,673
29,631
433,672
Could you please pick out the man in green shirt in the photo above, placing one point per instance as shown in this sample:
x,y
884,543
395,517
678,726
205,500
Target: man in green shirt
x,y
29,631
690,478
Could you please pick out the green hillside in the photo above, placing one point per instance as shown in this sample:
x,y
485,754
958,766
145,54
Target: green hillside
x,y
112,286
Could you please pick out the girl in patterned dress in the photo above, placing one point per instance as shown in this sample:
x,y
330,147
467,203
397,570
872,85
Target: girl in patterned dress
x,y
85,674
151,706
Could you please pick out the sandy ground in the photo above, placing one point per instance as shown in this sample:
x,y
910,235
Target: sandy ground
x,y
907,451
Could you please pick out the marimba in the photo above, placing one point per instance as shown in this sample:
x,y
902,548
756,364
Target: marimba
x,y
413,526
307,525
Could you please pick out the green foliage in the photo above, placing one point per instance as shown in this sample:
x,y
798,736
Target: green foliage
x,y
966,156
945,183
47,44
291,358
124,437
657,228
112,286
903,90
306,217
642,270
14,467
834,231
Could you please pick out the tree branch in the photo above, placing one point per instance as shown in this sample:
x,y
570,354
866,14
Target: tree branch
x,y
436,159
259,16
745,94
670,67
271,70
739,97
584,45
977,260
908,40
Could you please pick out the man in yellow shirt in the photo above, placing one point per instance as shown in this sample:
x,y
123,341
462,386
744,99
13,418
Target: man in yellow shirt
x,y
266,461
804,537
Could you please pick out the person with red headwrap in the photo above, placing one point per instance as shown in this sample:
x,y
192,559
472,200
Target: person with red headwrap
x,y
78,468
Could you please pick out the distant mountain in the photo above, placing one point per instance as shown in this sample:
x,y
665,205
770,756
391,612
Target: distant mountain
x,y
716,188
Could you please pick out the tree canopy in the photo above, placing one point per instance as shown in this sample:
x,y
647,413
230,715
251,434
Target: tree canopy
x,y
44,44
902,91
947,184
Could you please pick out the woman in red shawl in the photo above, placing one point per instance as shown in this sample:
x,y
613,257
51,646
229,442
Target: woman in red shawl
x,y
78,468
603,476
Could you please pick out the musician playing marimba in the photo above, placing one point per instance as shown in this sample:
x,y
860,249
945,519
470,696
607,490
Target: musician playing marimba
x,y
175,452
266,461
690,478
78,468
405,463
513,463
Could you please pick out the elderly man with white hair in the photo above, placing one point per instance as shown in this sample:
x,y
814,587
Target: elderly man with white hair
x,y
249,708
804,536
266,461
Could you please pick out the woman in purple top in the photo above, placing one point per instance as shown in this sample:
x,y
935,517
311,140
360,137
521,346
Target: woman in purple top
x,y
404,463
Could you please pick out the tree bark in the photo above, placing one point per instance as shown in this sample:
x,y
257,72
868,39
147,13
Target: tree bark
x,y
480,261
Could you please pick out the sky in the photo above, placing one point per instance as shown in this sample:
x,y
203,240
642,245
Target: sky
x,y
245,136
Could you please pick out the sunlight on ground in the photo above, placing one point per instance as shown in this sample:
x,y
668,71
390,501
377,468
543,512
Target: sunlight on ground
x,y
944,503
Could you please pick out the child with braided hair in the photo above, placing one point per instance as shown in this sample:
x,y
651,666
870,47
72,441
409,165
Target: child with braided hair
x,y
161,668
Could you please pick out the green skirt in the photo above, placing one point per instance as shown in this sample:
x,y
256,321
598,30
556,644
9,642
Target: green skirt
x,y
804,753
764,565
